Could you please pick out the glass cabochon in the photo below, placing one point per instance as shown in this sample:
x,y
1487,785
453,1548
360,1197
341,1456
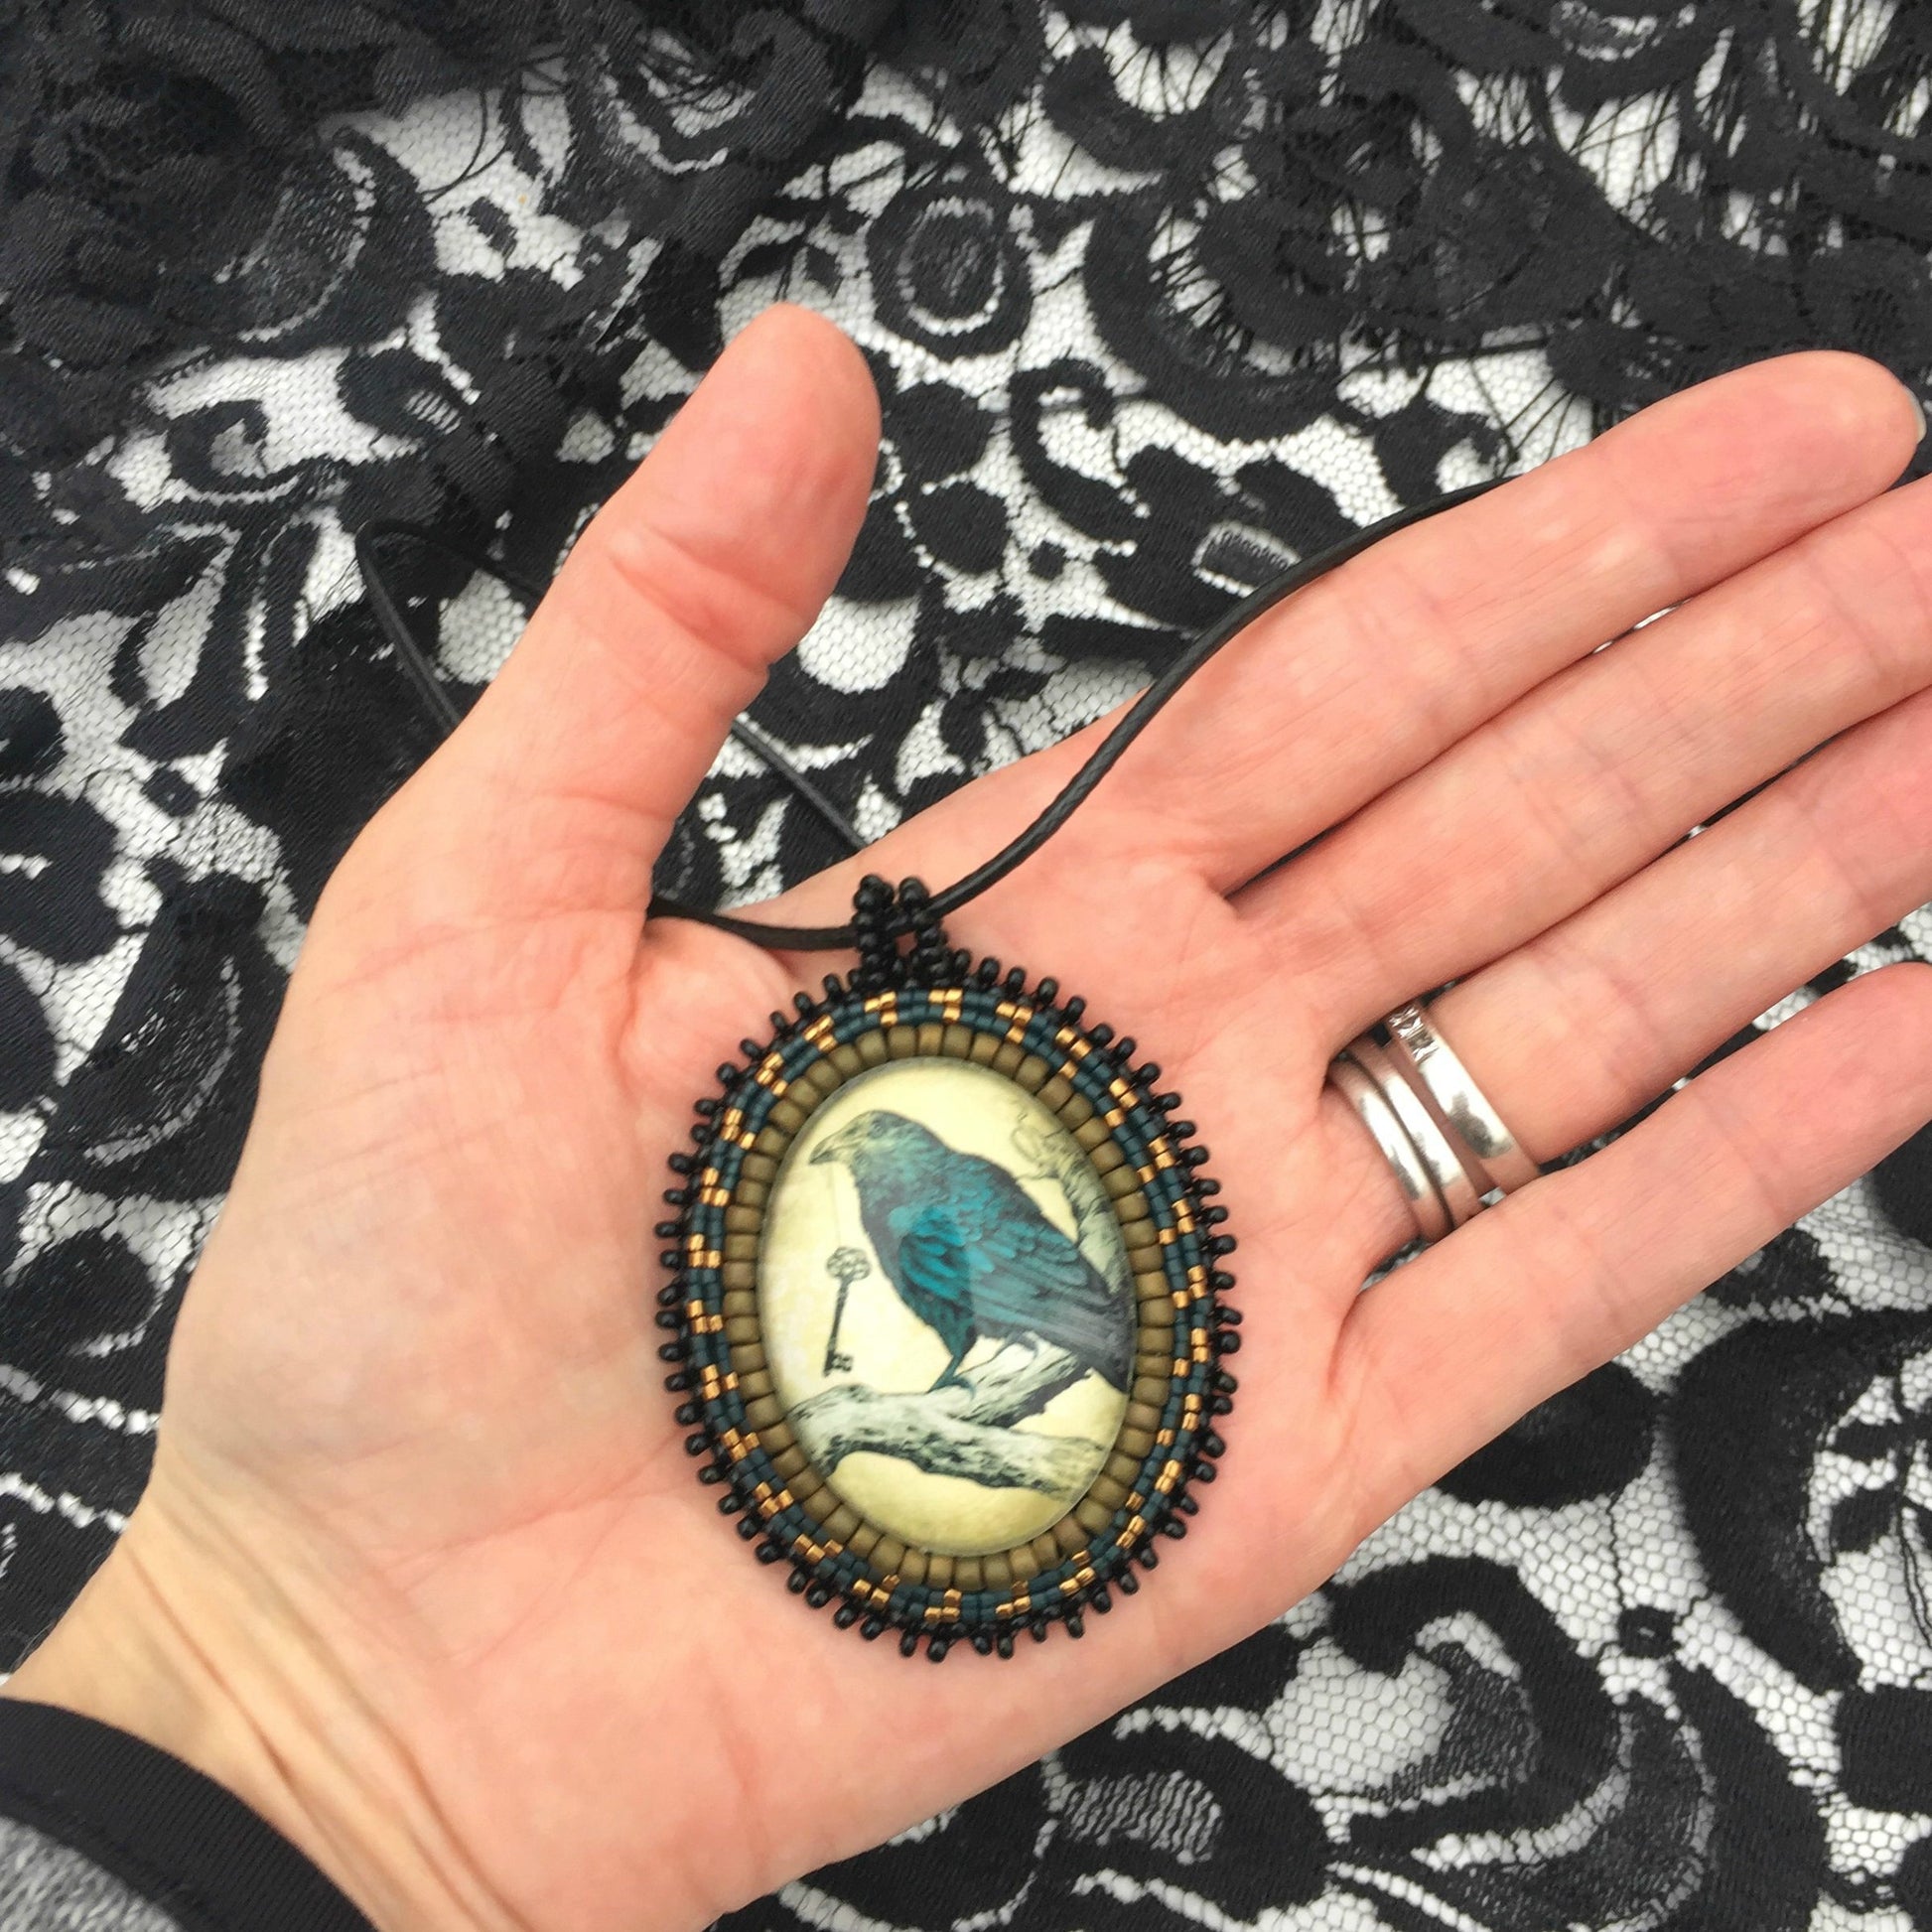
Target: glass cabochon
x,y
946,1305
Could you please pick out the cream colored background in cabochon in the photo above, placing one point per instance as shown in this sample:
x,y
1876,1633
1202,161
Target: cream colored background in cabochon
x,y
815,1209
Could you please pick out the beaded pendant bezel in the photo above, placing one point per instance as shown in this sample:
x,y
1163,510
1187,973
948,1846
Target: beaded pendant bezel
x,y
937,1004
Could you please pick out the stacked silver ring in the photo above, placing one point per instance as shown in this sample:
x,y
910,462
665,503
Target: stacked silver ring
x,y
1447,1145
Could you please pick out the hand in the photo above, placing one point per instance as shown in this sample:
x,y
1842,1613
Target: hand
x,y
423,1572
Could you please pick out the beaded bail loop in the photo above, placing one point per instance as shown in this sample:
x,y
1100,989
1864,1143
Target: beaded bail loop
x,y
881,918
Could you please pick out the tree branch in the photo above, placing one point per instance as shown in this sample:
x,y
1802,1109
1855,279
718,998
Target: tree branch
x,y
955,1431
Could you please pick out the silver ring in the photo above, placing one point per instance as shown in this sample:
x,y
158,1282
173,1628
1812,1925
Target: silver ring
x,y
1418,1189
1461,1196
1462,1106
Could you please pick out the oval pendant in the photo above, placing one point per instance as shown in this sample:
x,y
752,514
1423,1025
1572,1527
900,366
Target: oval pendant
x,y
947,1308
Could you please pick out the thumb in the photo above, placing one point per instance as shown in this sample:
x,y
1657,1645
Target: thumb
x,y
557,792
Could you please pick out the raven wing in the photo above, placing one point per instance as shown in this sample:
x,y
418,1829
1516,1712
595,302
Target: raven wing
x,y
935,1257
986,1246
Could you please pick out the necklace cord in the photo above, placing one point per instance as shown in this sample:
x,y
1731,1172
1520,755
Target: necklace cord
x,y
435,696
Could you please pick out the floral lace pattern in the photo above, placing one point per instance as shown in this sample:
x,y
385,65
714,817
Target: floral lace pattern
x,y
1159,294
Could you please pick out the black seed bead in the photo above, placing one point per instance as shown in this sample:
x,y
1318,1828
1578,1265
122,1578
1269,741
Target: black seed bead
x,y
845,1615
958,966
771,1551
803,1001
1221,1244
1003,1643
1128,1583
1072,1008
1221,1405
1101,1033
1212,1445
819,1596
1174,1528
1226,1383
1016,981
1186,1504
729,1074
781,1024
678,1383
711,1476
1183,1130
697,1444
1147,1073
983,1642
909,1643
988,971
1167,1102
1126,1048
747,1528
1213,1217
1205,1471
1076,1624
671,1351
1228,1317
669,1258
670,1296
1194,1156
707,1107
668,1318
677,1198
798,1581
682,1164
873,1629
752,1049
701,1135
1226,1343
1046,992
1036,1629
729,1503
1147,1557
1099,1601
936,1648
1220,1281
687,1413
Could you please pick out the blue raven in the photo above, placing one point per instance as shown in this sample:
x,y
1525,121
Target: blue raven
x,y
968,1250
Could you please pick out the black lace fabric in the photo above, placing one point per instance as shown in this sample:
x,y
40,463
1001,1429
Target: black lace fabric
x,y
1157,296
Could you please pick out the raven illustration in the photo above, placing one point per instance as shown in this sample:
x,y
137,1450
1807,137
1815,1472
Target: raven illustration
x,y
968,1250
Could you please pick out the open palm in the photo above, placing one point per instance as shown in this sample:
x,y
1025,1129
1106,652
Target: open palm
x,y
422,1551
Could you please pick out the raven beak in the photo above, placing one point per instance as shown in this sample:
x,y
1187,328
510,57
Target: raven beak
x,y
835,1147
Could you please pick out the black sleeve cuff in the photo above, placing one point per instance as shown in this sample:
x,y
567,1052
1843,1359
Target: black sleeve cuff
x,y
177,1838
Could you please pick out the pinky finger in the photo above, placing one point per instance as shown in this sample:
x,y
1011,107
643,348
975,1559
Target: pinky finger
x,y
1446,1353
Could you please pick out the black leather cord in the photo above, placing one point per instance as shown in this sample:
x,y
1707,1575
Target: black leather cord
x,y
1105,755
435,694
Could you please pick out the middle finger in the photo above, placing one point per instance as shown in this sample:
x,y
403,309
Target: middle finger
x,y
1368,675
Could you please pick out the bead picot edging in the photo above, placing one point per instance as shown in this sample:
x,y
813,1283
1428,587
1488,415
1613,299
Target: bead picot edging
x,y
902,1003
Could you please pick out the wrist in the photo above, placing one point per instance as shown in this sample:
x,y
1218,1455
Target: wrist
x,y
208,1660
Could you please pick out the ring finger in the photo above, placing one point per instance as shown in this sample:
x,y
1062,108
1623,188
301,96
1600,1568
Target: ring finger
x,y
1574,1032
1608,764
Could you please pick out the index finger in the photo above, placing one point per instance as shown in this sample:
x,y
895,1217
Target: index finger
x,y
1367,676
